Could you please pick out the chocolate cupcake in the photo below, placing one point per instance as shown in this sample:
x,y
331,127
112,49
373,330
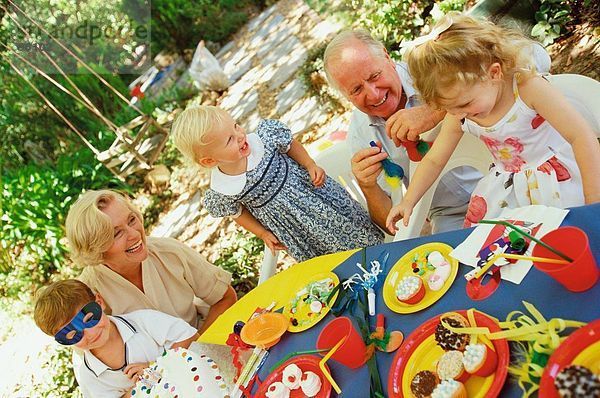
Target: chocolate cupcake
x,y
423,384
577,382
448,340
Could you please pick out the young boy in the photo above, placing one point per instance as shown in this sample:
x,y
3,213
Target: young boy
x,y
114,349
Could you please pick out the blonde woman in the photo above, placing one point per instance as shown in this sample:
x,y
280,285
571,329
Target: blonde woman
x,y
132,271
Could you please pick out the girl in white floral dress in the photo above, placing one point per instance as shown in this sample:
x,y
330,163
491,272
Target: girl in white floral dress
x,y
544,151
270,185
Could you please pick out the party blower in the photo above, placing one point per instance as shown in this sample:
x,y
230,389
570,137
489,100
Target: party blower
x,y
393,172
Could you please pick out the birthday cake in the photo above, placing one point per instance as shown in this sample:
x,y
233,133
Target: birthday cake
x,y
181,373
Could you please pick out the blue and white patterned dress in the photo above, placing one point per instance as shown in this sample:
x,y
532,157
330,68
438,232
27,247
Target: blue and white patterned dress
x,y
279,193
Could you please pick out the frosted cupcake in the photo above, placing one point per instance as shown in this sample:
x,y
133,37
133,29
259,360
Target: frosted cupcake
x,y
310,383
448,340
450,366
423,384
480,360
291,376
449,389
577,382
277,390
410,290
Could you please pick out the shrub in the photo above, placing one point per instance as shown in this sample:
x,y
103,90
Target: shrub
x,y
552,18
312,74
390,21
180,24
241,257
35,201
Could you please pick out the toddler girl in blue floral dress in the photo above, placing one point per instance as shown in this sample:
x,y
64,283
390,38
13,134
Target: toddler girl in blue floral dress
x,y
270,185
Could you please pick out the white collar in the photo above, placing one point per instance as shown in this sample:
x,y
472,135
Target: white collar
x,y
126,330
233,185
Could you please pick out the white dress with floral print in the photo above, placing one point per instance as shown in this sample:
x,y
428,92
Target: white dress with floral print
x,y
533,165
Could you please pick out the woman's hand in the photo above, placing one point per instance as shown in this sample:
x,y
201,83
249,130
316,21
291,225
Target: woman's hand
x,y
272,242
397,213
317,174
134,370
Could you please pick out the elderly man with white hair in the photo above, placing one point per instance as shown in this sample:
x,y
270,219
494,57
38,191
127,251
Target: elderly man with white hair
x,y
388,112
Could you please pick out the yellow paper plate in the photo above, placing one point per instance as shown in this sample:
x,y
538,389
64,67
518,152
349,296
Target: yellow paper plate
x,y
403,268
298,307
589,357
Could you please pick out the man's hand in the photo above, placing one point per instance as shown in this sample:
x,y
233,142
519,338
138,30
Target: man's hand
x,y
272,242
397,213
408,124
317,175
366,165
134,370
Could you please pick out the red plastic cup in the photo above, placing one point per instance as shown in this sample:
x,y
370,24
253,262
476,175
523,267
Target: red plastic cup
x,y
582,273
352,353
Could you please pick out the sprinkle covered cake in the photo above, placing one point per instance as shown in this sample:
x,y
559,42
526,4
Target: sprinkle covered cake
x,y
181,373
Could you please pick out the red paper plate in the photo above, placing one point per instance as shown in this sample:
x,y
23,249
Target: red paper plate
x,y
403,361
304,362
571,351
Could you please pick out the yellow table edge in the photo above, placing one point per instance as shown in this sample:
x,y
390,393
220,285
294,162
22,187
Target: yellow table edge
x,y
271,291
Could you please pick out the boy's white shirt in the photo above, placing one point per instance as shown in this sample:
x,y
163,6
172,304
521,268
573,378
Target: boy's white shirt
x,y
146,334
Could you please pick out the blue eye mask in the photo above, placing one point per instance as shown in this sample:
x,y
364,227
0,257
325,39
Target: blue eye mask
x,y
88,317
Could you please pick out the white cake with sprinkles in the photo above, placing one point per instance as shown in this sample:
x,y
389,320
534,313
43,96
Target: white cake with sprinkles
x,y
181,373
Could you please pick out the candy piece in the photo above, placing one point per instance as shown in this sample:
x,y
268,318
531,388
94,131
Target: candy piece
x,y
316,306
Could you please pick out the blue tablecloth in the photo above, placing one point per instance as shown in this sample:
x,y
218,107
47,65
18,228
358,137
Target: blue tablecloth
x,y
539,289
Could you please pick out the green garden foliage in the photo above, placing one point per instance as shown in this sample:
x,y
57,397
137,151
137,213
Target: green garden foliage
x,y
35,201
180,24
312,74
242,257
552,18
390,21
451,5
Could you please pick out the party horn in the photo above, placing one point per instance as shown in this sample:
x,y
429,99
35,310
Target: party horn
x,y
536,240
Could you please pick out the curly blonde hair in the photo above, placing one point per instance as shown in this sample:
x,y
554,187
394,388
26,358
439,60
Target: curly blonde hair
x,y
90,232
463,54
190,128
